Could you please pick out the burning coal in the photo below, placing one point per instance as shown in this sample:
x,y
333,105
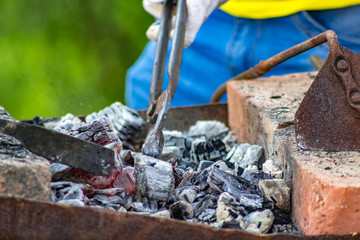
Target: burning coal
x,y
203,175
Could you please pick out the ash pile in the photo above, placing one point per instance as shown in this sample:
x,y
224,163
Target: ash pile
x,y
203,176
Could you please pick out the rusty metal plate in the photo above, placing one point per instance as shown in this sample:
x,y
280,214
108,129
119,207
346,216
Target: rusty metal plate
x,y
29,219
181,118
328,117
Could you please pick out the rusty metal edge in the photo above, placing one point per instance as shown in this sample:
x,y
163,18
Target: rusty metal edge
x,y
181,118
29,219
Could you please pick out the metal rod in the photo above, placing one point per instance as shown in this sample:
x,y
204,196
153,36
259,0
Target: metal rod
x,y
264,66
160,57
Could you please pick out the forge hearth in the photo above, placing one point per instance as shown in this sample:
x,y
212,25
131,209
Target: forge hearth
x,y
205,179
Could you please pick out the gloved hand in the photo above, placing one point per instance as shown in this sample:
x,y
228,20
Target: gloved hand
x,y
197,10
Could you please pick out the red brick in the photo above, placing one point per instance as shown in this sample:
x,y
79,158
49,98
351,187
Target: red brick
x,y
325,194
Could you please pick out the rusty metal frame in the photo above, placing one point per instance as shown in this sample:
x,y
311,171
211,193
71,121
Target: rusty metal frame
x,y
29,219
265,66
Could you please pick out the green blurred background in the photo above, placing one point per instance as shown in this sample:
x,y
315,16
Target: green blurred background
x,y
60,56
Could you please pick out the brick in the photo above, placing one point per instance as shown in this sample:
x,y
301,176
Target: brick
x,y
325,186
258,107
22,173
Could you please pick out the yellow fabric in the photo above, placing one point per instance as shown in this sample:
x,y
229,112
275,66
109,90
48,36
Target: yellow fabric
x,y
259,9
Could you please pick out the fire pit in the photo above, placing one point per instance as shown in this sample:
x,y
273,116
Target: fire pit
x,y
218,190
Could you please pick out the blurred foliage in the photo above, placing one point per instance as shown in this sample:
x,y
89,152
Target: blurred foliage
x,y
59,56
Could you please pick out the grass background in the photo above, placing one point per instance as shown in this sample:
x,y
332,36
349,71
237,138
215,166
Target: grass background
x,y
60,56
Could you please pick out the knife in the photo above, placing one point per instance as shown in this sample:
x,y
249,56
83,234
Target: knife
x,y
61,148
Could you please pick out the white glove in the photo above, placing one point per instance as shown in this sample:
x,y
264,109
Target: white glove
x,y
197,12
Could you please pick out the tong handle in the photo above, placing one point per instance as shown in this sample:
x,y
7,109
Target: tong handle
x,y
157,76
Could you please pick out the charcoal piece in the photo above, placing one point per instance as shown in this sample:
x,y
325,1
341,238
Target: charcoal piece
x,y
75,192
206,202
186,164
286,228
109,191
187,193
126,156
233,202
224,166
11,146
162,214
154,178
255,177
147,205
126,180
186,177
200,179
127,122
66,124
251,201
118,178
176,142
249,170
222,181
99,131
181,210
106,200
73,202
277,191
5,115
244,154
245,200
37,120
207,214
259,221
204,164
207,149
281,217
69,190
233,224
173,138
177,176
59,171
227,216
60,193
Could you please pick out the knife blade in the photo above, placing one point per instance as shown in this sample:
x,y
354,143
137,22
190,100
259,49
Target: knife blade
x,y
61,148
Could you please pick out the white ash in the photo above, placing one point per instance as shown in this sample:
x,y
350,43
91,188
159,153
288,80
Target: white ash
x,y
66,123
208,129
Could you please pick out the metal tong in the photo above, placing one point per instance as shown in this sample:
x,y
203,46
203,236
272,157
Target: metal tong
x,y
159,102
